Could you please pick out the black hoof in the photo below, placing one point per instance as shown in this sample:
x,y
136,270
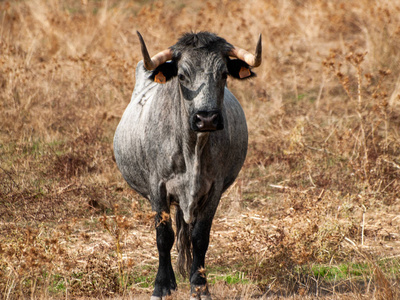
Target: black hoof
x,y
161,291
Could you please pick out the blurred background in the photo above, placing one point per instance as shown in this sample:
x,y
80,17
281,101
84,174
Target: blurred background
x,y
315,210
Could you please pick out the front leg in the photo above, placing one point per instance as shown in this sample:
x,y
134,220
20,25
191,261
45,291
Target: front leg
x,y
200,241
165,280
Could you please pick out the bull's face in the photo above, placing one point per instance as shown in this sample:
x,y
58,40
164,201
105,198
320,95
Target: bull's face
x,y
200,64
202,78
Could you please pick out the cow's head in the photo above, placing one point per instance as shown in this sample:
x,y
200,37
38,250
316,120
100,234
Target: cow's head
x,y
200,64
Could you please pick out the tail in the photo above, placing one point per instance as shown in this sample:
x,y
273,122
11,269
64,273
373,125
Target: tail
x,y
183,244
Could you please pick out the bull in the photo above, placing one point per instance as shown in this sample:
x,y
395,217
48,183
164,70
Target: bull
x,y
182,141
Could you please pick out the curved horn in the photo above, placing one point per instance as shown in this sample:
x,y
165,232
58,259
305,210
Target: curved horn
x,y
250,59
156,60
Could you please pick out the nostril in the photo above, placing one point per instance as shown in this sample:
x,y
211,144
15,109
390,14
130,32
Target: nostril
x,y
199,121
214,119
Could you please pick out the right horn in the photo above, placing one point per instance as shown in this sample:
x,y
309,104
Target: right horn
x,y
252,60
156,60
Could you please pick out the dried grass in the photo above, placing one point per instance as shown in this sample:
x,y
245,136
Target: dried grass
x,y
319,189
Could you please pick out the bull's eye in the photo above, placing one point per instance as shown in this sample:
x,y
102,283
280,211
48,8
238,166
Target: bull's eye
x,y
181,77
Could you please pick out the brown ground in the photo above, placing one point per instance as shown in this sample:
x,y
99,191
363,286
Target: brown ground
x,y
320,189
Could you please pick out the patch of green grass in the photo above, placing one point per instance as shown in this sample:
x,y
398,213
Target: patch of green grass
x,y
34,148
57,284
143,281
235,278
77,275
229,276
390,266
301,96
144,277
337,272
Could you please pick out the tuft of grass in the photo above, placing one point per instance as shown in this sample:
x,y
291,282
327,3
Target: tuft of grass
x,y
233,278
341,272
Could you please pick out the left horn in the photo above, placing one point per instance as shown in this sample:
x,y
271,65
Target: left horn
x,y
156,60
252,60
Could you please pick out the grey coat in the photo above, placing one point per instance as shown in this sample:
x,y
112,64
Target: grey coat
x,y
154,143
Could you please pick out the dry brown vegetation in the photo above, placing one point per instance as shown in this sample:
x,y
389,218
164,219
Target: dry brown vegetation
x,y
315,211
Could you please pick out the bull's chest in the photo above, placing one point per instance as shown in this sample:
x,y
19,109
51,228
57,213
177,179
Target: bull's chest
x,y
189,190
193,176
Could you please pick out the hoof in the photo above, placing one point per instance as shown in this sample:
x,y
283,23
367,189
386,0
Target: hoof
x,y
161,298
200,293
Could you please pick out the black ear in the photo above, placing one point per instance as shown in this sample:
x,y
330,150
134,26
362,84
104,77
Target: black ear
x,y
164,72
239,69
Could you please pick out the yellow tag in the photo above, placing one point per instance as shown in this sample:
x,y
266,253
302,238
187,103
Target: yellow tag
x,y
160,78
244,72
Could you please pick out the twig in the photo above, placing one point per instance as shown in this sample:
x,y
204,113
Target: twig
x,y
326,140
321,194
390,183
350,241
392,162
320,92
390,257
363,224
319,150
295,83
282,187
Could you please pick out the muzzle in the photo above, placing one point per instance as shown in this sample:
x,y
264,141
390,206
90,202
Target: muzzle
x,y
207,121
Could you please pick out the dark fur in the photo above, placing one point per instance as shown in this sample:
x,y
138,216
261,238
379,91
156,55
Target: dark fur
x,y
201,40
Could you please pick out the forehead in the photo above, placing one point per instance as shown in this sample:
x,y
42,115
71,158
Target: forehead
x,y
202,58
202,49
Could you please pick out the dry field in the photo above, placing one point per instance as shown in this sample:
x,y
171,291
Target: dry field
x,y
315,212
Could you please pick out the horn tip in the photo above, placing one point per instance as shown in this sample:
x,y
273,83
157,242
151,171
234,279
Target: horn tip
x,y
258,57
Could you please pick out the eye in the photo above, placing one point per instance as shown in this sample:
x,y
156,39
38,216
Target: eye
x,y
181,77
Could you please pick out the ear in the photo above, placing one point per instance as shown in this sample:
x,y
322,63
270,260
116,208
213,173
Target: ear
x,y
164,72
239,69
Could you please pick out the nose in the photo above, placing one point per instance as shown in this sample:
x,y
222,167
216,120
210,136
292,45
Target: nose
x,y
207,121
